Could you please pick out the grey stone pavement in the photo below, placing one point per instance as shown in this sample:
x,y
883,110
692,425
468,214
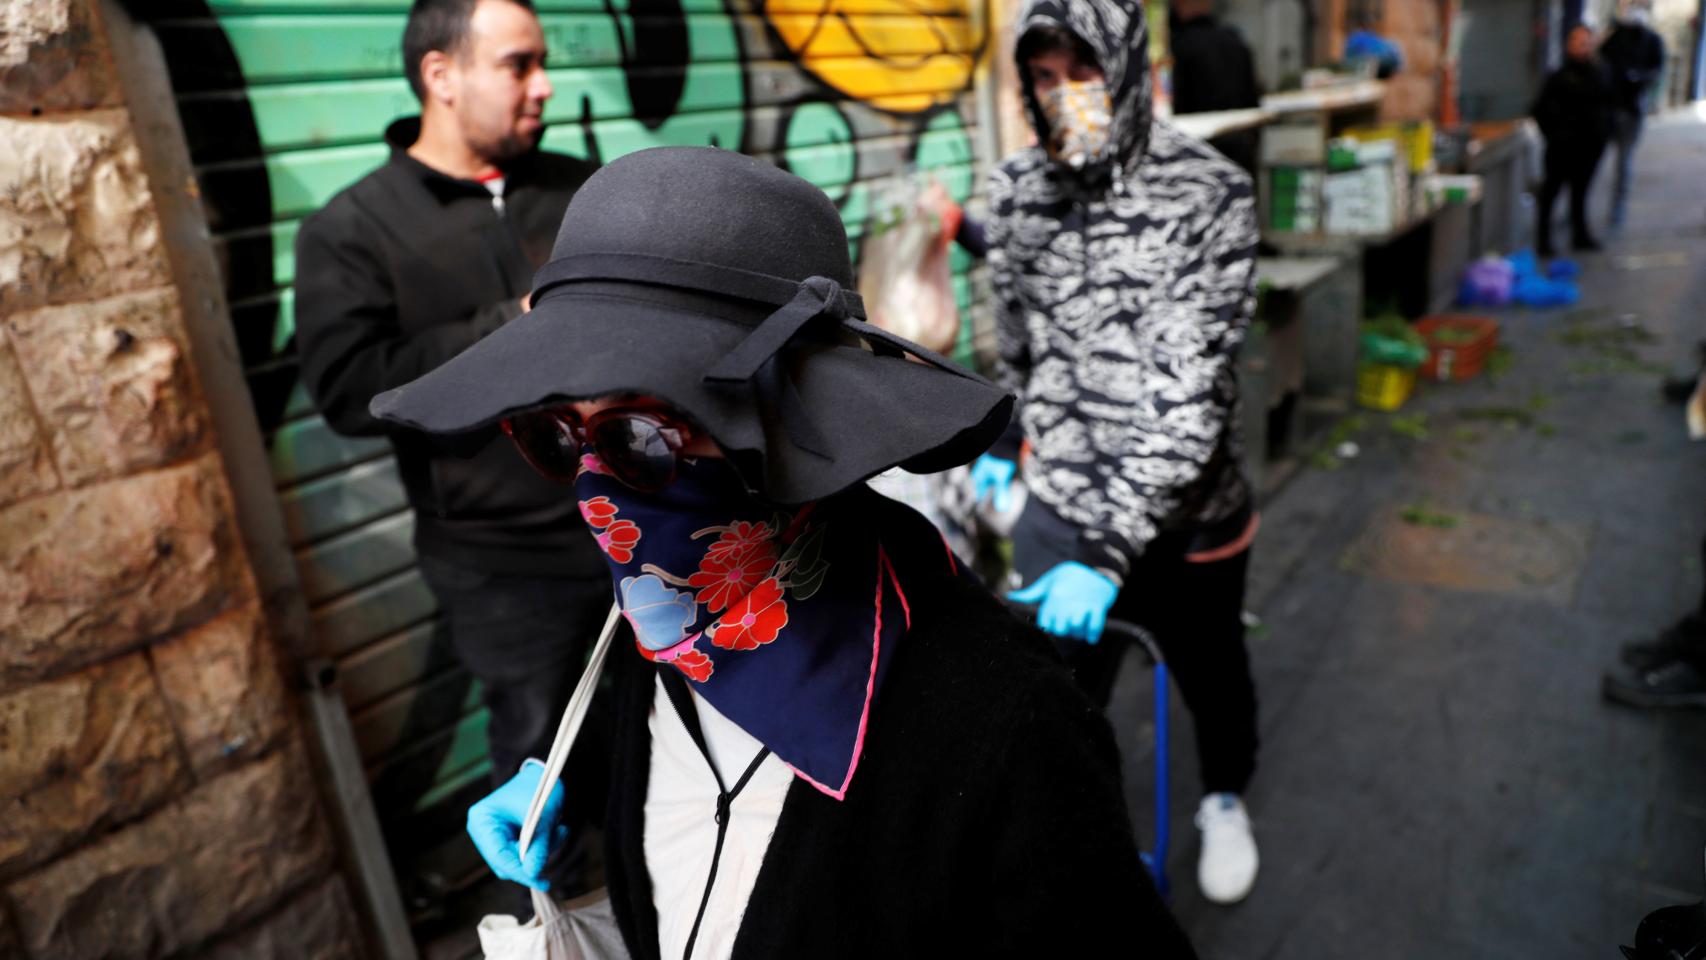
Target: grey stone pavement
x,y
1439,776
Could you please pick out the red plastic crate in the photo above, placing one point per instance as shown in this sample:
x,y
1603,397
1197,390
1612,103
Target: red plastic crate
x,y
1458,345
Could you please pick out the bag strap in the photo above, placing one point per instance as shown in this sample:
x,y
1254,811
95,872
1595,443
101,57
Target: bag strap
x,y
570,727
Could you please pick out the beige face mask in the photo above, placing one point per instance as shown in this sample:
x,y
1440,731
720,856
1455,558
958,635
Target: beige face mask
x,y
1079,114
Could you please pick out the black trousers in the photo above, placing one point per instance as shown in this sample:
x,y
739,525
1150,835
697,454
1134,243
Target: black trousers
x,y
1571,165
1195,613
526,640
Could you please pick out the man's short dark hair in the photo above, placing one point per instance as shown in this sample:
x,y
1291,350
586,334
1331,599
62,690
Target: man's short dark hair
x,y
440,25
1043,40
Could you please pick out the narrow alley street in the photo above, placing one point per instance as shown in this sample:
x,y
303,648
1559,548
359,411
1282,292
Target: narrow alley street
x,y
1440,777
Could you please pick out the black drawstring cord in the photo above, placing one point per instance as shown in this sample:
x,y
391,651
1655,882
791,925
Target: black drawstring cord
x,y
682,700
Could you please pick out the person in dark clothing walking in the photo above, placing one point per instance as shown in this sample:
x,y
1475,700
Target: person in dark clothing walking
x,y
831,742
1635,55
1213,70
1574,115
1122,257
411,265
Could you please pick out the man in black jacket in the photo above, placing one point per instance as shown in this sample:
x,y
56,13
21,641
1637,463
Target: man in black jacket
x,y
1635,56
1574,114
1213,70
405,269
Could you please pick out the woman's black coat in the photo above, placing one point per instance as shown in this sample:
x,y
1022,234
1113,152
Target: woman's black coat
x,y
986,818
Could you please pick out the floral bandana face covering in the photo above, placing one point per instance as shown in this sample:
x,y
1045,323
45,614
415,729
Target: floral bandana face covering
x,y
785,622
1079,114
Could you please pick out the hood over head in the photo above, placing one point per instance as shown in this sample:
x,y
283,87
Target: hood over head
x,y
1116,30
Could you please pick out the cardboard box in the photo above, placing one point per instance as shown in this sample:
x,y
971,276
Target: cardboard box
x,y
1293,199
1294,145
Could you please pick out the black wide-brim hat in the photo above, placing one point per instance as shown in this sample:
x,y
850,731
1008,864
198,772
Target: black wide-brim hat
x,y
721,285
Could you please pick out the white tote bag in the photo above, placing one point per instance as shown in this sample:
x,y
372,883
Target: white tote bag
x,y
583,929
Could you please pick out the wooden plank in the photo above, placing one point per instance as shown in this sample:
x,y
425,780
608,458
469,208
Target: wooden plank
x,y
382,668
308,449
378,610
361,556
332,505
419,711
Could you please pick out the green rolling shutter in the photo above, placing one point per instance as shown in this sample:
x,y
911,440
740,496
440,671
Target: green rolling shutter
x,y
283,103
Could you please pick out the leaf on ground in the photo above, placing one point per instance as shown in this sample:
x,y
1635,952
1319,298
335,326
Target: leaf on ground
x,y
1420,515
1499,362
1325,460
1414,426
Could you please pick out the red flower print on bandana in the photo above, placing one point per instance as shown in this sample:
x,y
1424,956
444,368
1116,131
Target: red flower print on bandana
x,y
723,577
598,512
618,540
754,620
695,664
739,536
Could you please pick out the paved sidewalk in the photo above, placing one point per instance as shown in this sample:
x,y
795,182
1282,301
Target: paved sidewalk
x,y
1440,777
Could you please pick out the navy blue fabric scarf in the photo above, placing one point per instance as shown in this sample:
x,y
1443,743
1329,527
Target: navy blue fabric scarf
x,y
785,621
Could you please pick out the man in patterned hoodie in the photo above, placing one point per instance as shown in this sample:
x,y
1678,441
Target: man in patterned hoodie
x,y
1122,254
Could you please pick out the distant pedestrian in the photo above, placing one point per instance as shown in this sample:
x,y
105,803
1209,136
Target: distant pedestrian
x,y
1574,114
1635,55
1213,70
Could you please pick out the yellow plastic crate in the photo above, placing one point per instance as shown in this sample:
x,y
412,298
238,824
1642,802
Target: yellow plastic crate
x,y
1381,386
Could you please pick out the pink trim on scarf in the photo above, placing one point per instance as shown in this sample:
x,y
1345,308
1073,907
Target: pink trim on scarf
x,y
1232,549
666,654
953,561
883,567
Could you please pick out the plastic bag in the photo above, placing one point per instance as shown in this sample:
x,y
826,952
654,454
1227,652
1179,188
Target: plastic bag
x,y
904,277
583,930
1487,283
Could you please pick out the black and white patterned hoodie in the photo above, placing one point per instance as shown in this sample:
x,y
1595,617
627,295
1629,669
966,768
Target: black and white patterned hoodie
x,y
1123,293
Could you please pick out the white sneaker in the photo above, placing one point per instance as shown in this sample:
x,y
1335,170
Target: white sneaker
x,y
1226,870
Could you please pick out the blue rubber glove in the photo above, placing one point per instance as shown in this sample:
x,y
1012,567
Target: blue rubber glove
x,y
992,476
1073,601
494,823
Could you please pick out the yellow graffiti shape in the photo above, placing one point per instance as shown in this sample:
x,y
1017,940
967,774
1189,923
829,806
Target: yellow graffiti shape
x,y
903,56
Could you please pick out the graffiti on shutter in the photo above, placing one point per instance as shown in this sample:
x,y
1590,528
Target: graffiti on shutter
x,y
283,103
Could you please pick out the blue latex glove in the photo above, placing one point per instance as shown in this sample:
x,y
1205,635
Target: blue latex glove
x,y
494,823
1073,601
992,476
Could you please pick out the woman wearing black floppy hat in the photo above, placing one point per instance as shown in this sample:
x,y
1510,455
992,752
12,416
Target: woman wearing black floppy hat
x,y
831,741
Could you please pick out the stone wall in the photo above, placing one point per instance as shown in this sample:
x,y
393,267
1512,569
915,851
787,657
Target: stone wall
x,y
156,796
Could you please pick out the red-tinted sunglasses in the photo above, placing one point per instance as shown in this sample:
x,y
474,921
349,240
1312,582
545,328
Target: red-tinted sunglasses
x,y
641,448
